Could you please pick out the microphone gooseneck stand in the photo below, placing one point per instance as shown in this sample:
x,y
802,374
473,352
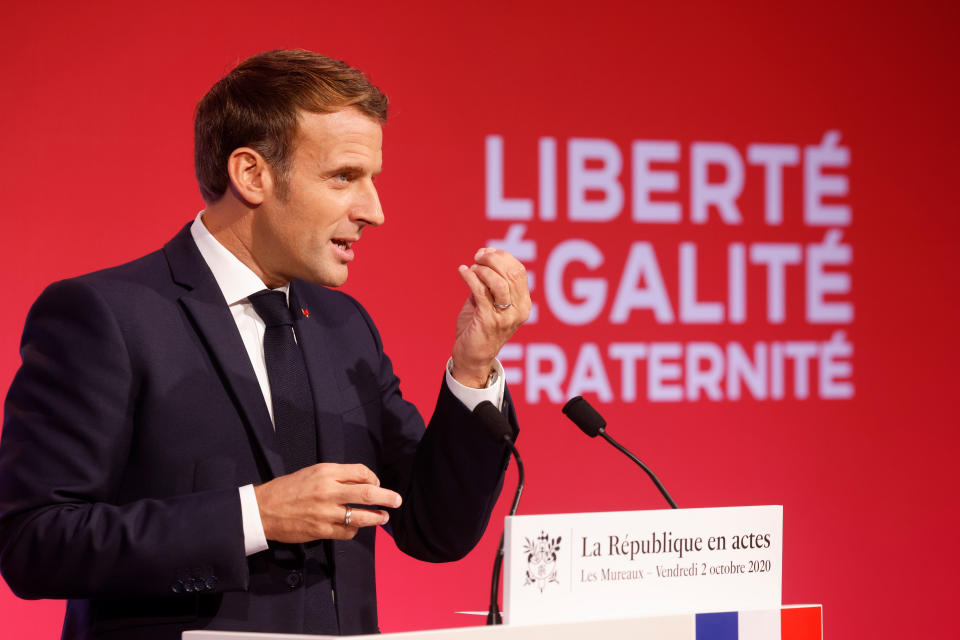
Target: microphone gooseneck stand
x,y
493,615
499,430
589,420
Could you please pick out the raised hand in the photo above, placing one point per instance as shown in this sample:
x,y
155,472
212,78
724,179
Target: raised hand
x,y
498,304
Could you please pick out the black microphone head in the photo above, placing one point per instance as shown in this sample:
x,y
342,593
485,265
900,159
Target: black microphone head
x,y
493,421
584,416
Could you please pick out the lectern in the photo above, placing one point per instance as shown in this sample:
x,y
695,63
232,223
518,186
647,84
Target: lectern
x,y
634,575
789,623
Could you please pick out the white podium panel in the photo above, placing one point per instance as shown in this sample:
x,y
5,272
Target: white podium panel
x,y
592,566
795,623
664,628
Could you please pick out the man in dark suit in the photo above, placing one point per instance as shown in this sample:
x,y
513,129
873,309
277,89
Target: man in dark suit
x,y
206,437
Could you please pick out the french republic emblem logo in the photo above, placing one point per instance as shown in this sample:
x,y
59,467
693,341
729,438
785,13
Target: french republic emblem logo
x,y
541,560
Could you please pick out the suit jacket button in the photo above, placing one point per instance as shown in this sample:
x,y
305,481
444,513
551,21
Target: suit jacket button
x,y
177,587
294,578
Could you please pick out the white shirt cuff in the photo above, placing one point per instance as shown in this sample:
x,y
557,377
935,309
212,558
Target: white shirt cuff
x,y
254,539
470,396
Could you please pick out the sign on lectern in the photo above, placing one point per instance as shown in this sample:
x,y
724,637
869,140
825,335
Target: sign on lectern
x,y
592,566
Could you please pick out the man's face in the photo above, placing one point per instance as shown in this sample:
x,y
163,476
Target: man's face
x,y
308,230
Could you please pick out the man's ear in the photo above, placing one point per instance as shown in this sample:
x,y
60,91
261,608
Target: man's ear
x,y
250,175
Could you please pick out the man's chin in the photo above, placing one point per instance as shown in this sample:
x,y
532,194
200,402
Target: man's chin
x,y
329,277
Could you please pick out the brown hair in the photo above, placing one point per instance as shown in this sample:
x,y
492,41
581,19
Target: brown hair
x,y
257,105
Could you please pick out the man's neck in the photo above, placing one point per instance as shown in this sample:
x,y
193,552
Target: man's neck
x,y
232,226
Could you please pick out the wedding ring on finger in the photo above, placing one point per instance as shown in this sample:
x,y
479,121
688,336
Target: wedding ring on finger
x,y
503,307
347,516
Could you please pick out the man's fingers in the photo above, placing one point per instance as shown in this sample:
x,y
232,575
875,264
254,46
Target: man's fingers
x,y
356,473
481,294
361,517
498,287
502,262
368,494
311,504
510,269
357,484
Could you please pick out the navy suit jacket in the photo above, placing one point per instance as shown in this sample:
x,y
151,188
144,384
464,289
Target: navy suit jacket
x,y
136,415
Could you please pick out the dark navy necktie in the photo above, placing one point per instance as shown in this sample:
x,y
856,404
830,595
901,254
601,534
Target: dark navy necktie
x,y
293,414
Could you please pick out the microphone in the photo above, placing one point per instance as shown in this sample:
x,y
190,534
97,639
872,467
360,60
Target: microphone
x,y
582,414
499,430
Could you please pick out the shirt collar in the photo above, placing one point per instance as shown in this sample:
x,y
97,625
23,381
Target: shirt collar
x,y
235,279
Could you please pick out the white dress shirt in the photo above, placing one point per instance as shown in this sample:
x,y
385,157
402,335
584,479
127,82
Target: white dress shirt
x,y
237,282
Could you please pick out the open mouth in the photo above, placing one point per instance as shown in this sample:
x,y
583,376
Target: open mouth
x,y
344,248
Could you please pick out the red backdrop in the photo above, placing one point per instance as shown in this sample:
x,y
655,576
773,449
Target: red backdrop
x,y
97,168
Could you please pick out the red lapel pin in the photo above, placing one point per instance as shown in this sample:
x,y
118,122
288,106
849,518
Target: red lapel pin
x,y
305,312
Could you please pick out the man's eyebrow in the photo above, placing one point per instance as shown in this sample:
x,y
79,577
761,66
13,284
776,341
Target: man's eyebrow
x,y
350,168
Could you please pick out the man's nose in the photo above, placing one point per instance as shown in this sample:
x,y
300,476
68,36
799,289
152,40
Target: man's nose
x,y
367,209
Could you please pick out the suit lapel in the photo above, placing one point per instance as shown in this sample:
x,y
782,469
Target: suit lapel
x,y
321,364
204,303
